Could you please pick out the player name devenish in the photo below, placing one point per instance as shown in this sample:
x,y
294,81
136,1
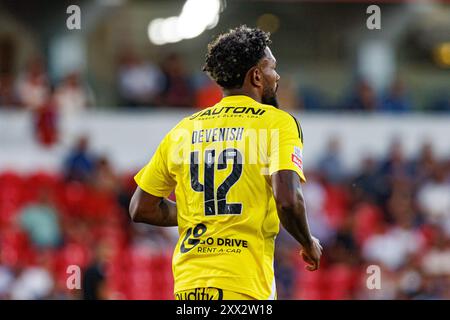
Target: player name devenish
x,y
217,134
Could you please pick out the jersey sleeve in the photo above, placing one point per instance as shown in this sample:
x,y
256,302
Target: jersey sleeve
x,y
155,178
286,151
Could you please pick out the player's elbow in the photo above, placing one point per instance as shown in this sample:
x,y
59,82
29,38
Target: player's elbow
x,y
137,211
289,203
287,191
133,210
285,201
286,206
144,207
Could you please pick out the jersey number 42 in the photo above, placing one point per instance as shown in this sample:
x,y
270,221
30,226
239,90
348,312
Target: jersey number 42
x,y
217,198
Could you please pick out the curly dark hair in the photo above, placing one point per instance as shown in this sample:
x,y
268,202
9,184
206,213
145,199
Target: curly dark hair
x,y
232,54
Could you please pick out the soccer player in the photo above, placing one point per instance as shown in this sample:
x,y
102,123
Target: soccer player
x,y
236,169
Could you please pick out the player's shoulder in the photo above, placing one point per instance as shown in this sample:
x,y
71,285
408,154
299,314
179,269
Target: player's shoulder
x,y
281,119
277,115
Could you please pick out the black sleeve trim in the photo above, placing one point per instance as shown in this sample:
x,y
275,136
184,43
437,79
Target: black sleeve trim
x,y
299,129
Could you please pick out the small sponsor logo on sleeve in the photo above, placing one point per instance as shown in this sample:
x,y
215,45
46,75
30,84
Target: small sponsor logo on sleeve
x,y
298,152
297,158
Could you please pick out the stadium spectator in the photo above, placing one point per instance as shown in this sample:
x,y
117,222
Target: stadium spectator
x,y
79,164
396,98
394,168
70,96
40,220
441,101
392,247
330,163
434,198
177,90
33,86
139,81
105,177
367,184
311,99
94,277
34,282
425,164
344,247
363,98
46,123
436,261
285,268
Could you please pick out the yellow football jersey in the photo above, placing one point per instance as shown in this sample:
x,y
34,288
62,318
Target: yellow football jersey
x,y
219,162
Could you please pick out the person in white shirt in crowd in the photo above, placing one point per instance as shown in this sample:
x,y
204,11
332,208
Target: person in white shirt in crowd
x,y
72,96
33,88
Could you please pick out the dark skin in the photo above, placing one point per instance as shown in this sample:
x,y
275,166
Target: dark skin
x,y
291,209
261,76
147,208
260,81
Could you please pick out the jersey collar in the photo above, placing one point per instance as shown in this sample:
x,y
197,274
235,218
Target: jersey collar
x,y
238,97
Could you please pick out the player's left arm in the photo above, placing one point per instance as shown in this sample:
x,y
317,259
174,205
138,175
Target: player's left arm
x,y
147,208
286,170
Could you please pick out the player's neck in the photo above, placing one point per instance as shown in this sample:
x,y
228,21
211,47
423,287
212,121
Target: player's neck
x,y
242,92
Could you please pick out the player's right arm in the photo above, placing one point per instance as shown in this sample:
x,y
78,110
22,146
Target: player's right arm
x,y
286,170
150,209
155,183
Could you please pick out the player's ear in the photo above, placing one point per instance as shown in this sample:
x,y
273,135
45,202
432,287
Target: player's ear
x,y
256,77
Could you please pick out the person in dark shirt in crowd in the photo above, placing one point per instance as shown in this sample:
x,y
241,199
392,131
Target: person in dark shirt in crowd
x,y
330,163
363,98
178,90
94,278
441,102
367,184
79,164
396,99
139,81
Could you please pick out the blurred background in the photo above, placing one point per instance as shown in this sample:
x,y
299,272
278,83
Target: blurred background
x,y
81,110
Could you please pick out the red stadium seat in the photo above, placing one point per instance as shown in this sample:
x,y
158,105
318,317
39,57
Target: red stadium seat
x,y
339,282
10,178
15,248
11,194
73,197
367,220
309,285
336,205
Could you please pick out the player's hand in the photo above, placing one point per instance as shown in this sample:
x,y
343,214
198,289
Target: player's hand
x,y
311,254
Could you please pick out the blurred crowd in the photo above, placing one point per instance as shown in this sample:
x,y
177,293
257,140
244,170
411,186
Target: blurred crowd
x,y
143,83
167,83
67,235
391,214
32,89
